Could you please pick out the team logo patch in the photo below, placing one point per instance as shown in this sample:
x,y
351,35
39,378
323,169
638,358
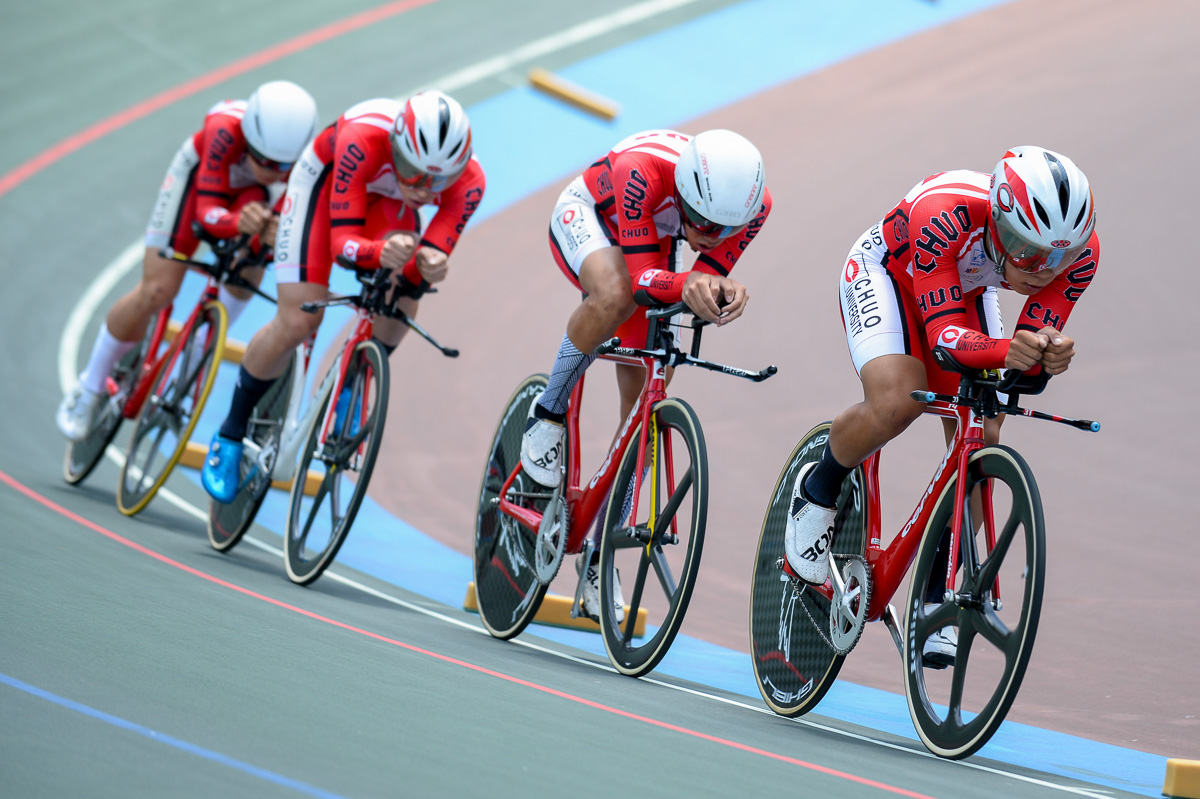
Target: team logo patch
x,y
1060,244
287,204
213,216
949,337
351,250
568,216
851,270
648,276
1004,197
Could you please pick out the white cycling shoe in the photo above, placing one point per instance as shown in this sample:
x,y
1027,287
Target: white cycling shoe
x,y
809,534
590,601
941,646
542,450
77,413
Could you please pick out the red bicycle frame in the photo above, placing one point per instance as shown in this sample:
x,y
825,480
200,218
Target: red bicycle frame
x,y
364,329
889,565
585,502
152,362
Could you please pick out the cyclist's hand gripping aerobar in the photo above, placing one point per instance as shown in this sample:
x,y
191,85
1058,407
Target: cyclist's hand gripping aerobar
x,y
713,298
1048,347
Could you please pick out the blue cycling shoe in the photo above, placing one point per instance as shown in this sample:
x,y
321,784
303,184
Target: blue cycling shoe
x,y
221,466
343,405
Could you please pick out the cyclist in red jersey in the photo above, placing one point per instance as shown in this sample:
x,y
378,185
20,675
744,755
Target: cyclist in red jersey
x,y
356,192
224,176
618,228
928,273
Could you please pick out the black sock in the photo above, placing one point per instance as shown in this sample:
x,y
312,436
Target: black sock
x,y
824,482
540,412
246,394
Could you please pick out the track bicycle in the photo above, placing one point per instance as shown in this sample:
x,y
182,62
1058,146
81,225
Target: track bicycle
x,y
978,525
164,390
650,494
332,444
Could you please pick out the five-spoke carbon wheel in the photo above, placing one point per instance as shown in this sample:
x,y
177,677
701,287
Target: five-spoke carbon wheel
x,y
653,551
956,709
340,462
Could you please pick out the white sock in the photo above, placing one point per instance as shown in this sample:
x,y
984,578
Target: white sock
x,y
233,305
105,354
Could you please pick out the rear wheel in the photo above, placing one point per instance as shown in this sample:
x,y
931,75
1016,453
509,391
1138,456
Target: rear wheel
x,y
82,456
656,546
170,412
507,588
318,525
957,709
794,666
227,523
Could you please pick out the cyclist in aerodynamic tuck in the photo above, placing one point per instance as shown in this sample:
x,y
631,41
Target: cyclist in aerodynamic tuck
x,y
929,274
224,176
356,192
620,228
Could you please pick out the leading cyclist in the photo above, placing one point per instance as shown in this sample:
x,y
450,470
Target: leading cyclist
x,y
223,175
618,228
356,192
929,273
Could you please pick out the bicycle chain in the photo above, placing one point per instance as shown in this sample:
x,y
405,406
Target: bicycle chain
x,y
798,587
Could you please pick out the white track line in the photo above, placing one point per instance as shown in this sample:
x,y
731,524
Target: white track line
x,y
68,358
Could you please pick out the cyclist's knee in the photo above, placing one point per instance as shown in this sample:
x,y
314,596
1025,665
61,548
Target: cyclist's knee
x,y
295,325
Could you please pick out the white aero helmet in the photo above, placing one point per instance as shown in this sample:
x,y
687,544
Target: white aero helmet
x,y
719,183
280,120
431,141
1042,210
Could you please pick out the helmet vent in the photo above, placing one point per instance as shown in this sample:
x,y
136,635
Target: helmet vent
x,y
1024,222
443,121
1082,211
1041,212
699,191
424,144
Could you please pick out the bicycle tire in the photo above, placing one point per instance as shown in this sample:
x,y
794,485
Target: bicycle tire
x,y
669,521
172,409
82,457
955,709
507,589
307,558
227,523
793,665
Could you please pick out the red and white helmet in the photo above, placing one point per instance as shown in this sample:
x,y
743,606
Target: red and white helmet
x,y
280,120
431,141
719,182
1042,210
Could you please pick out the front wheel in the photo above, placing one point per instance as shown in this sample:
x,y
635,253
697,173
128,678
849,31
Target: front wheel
x,y
656,545
170,412
227,523
794,663
993,608
507,588
343,460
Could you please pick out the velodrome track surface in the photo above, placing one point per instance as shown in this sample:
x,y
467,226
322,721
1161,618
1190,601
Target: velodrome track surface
x,y
254,685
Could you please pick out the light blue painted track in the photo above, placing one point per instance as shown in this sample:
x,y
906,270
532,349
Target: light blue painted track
x,y
785,39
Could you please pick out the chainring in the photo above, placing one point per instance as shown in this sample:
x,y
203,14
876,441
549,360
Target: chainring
x,y
551,542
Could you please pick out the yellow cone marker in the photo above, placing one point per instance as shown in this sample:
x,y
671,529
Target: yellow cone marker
x,y
573,94
1183,779
555,610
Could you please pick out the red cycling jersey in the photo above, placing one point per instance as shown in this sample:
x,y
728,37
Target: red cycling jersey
x,y
934,241
357,149
634,190
224,182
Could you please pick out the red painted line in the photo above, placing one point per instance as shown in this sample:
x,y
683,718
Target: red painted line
x,y
119,120
45,502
